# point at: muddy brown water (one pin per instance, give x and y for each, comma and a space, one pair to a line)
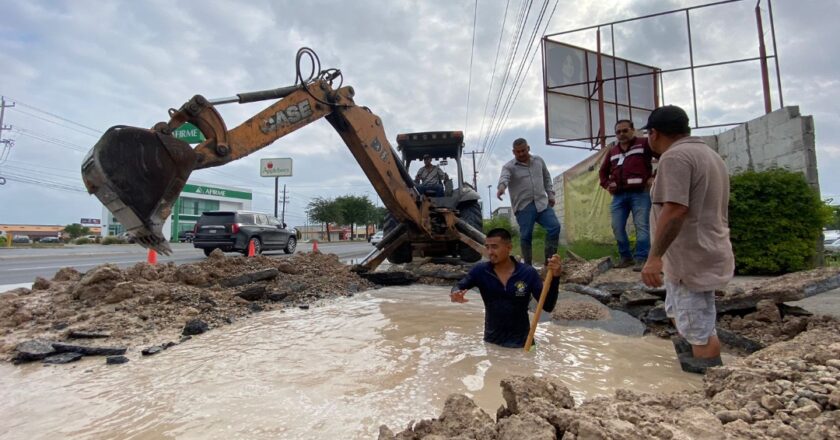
336, 371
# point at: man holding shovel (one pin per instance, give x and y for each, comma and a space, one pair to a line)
506, 287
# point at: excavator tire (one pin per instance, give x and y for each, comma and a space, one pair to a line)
403, 253
470, 212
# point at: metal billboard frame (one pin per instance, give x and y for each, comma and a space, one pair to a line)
597, 140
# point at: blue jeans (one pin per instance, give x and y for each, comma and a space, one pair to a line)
637, 202
436, 187
526, 218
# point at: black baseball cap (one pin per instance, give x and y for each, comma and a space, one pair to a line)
669, 119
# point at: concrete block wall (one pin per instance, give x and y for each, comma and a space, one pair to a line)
559, 205
781, 139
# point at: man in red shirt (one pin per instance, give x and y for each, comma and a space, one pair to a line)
625, 173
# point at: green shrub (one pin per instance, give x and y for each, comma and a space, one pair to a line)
2, 241
500, 222
775, 222
112, 239
82, 240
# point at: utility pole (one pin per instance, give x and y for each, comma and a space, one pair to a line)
283, 201
475, 170
276, 202
7, 143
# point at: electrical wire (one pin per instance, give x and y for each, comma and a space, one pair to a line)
469, 80
524, 72
493, 74
522, 18
17, 110
23, 104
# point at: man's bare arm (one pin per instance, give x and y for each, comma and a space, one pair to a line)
668, 227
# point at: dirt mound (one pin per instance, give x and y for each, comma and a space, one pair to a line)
573, 310
147, 304
788, 390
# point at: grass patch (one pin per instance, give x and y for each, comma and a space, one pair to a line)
586, 249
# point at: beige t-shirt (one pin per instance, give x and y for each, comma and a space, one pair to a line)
693, 175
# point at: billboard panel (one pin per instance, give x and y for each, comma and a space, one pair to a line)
573, 110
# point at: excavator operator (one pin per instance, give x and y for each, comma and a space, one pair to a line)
430, 177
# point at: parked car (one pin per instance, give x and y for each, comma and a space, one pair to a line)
376, 238
126, 237
186, 236
233, 231
49, 240
833, 247
830, 236
23, 239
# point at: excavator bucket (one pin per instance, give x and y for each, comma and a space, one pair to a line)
138, 174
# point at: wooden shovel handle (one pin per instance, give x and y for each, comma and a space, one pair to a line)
546, 284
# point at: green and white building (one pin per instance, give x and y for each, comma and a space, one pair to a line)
195, 198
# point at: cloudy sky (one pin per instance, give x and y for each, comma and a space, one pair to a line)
75, 68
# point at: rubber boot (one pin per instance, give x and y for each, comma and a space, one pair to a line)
680, 345
526, 253
691, 364
550, 249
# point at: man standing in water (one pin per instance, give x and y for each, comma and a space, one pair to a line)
691, 235
506, 287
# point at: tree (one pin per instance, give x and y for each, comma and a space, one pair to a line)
834, 222
377, 216
76, 230
355, 210
325, 211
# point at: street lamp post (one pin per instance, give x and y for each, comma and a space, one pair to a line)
490, 201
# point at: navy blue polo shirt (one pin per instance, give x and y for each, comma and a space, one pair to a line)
506, 320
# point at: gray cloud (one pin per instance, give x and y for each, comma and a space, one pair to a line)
102, 64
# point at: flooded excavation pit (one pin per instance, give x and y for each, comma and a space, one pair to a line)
340, 370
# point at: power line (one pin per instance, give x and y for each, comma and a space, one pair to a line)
513, 46
535, 47
513, 93
56, 123
495, 128
493, 73
469, 80
51, 140
22, 104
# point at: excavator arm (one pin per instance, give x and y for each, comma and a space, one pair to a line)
139, 173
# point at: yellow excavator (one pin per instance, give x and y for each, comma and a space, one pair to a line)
138, 173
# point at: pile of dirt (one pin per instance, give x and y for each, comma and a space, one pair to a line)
423, 271
147, 304
766, 325
578, 270
573, 310
788, 390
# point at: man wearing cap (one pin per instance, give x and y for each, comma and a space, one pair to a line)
430, 177
691, 244
626, 173
531, 197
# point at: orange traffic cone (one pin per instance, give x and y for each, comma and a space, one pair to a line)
315, 246
251, 250
152, 257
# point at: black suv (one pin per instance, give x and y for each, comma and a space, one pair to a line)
232, 231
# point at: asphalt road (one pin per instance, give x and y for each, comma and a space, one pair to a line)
22, 265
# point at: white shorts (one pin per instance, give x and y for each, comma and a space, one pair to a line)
693, 312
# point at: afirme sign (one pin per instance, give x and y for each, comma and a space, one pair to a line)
90, 221
188, 133
218, 192
280, 167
